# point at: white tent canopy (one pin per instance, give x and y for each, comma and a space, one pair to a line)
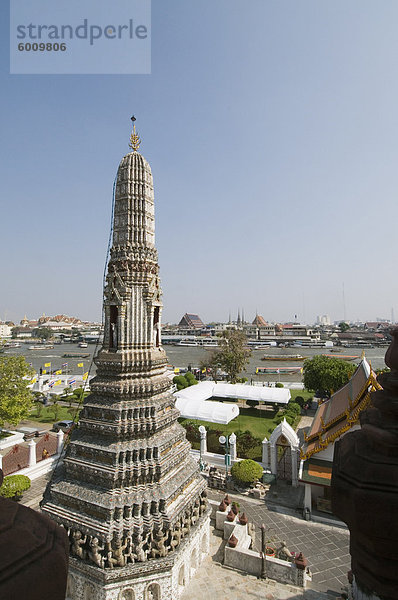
192, 402
208, 389
215, 412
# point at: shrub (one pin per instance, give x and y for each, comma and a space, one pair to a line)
252, 403
14, 485
245, 441
180, 382
290, 418
279, 384
246, 471
300, 400
190, 378
293, 408
192, 430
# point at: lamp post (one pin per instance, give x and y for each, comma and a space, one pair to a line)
202, 431
224, 441
263, 553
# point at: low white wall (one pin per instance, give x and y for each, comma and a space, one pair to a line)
41, 468
251, 562
16, 438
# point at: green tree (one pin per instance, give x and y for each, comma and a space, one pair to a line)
55, 409
16, 399
232, 356
343, 327
211, 364
326, 374
74, 412
44, 333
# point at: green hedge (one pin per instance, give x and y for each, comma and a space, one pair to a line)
14, 485
246, 471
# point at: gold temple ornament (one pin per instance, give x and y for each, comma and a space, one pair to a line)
135, 139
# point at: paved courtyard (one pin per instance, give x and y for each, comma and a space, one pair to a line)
215, 582
326, 547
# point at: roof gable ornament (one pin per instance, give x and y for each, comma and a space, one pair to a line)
135, 140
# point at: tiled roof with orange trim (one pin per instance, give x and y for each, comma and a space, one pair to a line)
338, 414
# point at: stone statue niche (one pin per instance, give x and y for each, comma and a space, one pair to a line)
365, 489
113, 322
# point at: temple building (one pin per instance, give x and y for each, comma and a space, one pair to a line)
190, 321
365, 489
333, 419
128, 493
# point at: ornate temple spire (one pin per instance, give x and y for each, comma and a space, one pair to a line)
135, 140
129, 493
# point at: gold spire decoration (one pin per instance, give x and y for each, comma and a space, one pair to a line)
135, 139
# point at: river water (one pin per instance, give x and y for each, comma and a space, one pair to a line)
184, 356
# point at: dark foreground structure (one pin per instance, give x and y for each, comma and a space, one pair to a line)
33, 554
365, 489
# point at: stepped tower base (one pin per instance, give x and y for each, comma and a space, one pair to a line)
163, 579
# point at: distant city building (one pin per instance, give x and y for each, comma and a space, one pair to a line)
25, 322
259, 329
5, 330
56, 323
297, 330
22, 332
191, 321
259, 321
59, 321
323, 320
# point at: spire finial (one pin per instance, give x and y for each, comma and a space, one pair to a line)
135, 139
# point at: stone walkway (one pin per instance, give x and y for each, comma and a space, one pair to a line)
212, 581
34, 494
326, 547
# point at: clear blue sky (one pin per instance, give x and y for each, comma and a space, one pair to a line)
271, 128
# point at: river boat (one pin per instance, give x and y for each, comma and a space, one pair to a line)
82, 345
76, 355
213, 344
41, 347
278, 370
284, 357
12, 345
343, 356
